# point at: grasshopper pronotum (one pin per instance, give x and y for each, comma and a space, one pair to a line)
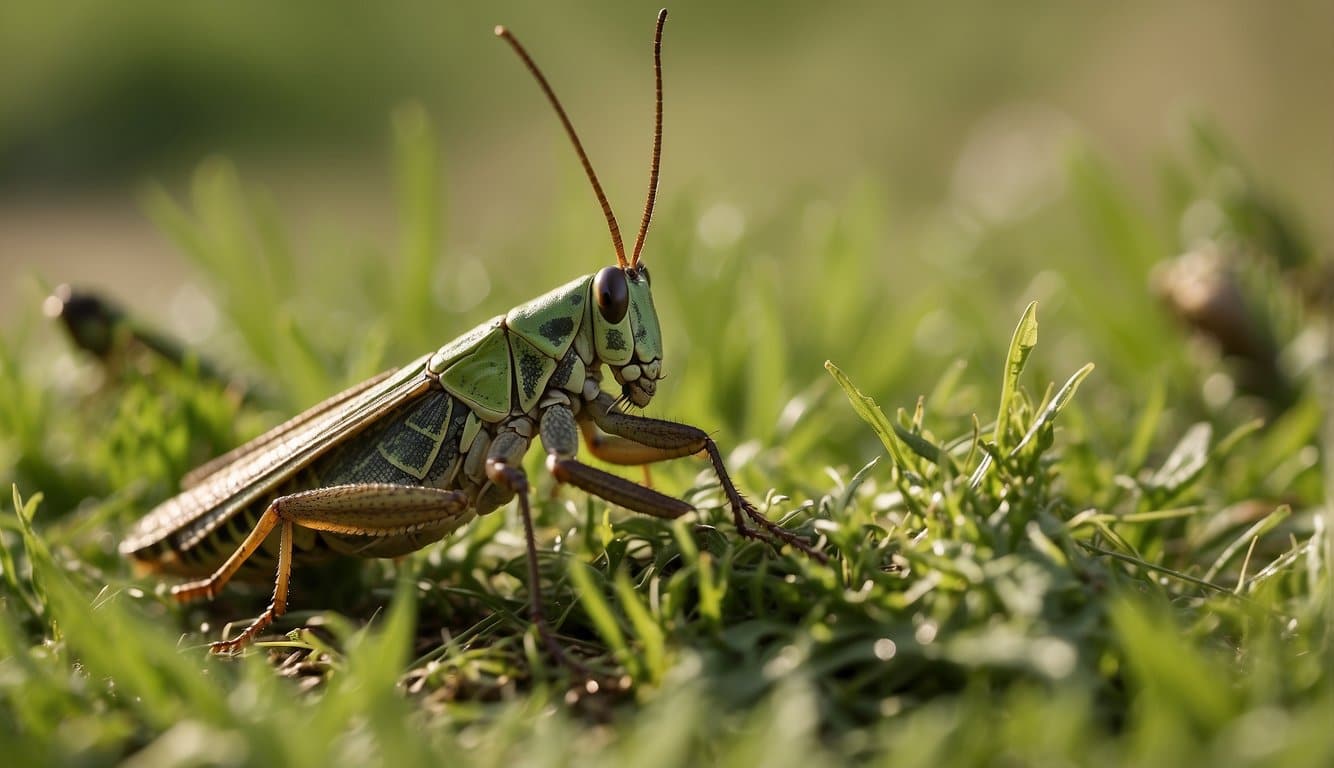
397, 462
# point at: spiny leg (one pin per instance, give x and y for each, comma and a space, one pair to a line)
208, 588
672, 440
367, 509
277, 604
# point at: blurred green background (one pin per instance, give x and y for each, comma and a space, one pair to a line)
778, 109
311, 192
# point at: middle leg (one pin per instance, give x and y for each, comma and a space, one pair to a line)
504, 467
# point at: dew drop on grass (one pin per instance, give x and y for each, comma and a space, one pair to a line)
885, 649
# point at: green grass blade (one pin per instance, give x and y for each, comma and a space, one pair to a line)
866, 408
1021, 346
587, 586
420, 202
647, 629
1055, 406
1186, 462
1261, 527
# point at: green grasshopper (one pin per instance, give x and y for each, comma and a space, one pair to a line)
399, 461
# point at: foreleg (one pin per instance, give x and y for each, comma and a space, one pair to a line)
662, 439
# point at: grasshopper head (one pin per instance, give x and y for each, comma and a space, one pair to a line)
625, 324
626, 332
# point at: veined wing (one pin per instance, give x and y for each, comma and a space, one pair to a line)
271, 459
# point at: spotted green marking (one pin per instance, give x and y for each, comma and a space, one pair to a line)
551, 321
612, 342
644, 318
569, 374
532, 370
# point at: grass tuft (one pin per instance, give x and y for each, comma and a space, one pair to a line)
1132, 568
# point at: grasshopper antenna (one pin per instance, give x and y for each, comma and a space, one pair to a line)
657, 139
505, 34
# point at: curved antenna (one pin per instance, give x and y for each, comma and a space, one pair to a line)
657, 140
574, 138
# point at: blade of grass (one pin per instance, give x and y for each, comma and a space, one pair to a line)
1055, 405
417, 174
1021, 346
865, 407
586, 585
1260, 528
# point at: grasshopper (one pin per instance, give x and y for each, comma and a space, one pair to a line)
397, 462
100, 328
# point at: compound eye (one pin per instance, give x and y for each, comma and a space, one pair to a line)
611, 293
